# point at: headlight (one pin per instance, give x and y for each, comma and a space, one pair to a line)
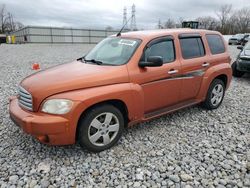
57, 106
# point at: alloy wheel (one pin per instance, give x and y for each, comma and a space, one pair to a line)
103, 129
217, 94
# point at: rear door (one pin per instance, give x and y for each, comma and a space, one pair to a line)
193, 65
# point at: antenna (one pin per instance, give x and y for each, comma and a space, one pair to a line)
119, 33
133, 21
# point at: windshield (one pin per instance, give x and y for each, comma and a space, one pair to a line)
113, 51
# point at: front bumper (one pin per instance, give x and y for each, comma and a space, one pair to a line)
48, 129
243, 65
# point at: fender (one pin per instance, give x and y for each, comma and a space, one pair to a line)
211, 74
130, 94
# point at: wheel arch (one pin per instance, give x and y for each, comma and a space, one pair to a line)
222, 72
118, 103
222, 77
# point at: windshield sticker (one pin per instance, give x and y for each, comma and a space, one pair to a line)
127, 42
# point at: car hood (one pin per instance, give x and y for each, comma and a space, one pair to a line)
72, 76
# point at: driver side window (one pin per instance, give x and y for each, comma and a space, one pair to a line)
164, 48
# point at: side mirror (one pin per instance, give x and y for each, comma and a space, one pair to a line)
240, 47
152, 61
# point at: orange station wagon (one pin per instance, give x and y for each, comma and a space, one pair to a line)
123, 80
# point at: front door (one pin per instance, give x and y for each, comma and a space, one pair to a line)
161, 85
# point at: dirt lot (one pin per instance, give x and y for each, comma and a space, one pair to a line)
190, 148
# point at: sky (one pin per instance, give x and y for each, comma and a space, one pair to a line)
103, 13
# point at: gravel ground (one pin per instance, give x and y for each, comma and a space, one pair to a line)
190, 148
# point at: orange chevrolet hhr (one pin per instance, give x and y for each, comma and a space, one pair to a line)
125, 79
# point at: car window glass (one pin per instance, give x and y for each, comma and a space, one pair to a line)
192, 47
110, 51
215, 44
165, 49
247, 46
113, 50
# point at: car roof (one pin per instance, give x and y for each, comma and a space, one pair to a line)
149, 34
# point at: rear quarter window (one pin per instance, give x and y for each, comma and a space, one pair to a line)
215, 44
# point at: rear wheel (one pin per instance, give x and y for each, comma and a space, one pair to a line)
215, 95
236, 73
100, 128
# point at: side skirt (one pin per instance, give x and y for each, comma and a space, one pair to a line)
170, 109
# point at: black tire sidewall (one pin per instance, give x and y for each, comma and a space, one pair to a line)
208, 103
87, 118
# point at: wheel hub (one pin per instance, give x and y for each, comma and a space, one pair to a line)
103, 129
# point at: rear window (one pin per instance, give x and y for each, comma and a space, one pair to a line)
192, 47
215, 44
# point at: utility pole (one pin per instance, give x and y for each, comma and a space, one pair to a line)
159, 24
124, 17
133, 20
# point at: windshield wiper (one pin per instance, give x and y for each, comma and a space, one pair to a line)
93, 61
80, 58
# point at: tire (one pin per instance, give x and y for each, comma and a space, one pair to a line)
215, 95
236, 73
94, 133
229, 43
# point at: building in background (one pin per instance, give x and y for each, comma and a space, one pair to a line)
35, 34
2, 38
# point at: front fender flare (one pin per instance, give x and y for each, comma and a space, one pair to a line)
130, 94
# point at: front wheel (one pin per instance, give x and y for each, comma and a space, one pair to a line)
100, 128
215, 95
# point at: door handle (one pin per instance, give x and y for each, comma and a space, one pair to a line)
205, 64
172, 71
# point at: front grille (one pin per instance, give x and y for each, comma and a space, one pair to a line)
25, 99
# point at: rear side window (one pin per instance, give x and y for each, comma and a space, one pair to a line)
215, 43
164, 48
192, 47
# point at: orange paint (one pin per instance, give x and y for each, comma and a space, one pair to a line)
146, 92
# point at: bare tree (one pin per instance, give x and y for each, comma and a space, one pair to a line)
207, 22
159, 25
169, 23
7, 23
242, 20
178, 23
18, 25
3, 18
224, 15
